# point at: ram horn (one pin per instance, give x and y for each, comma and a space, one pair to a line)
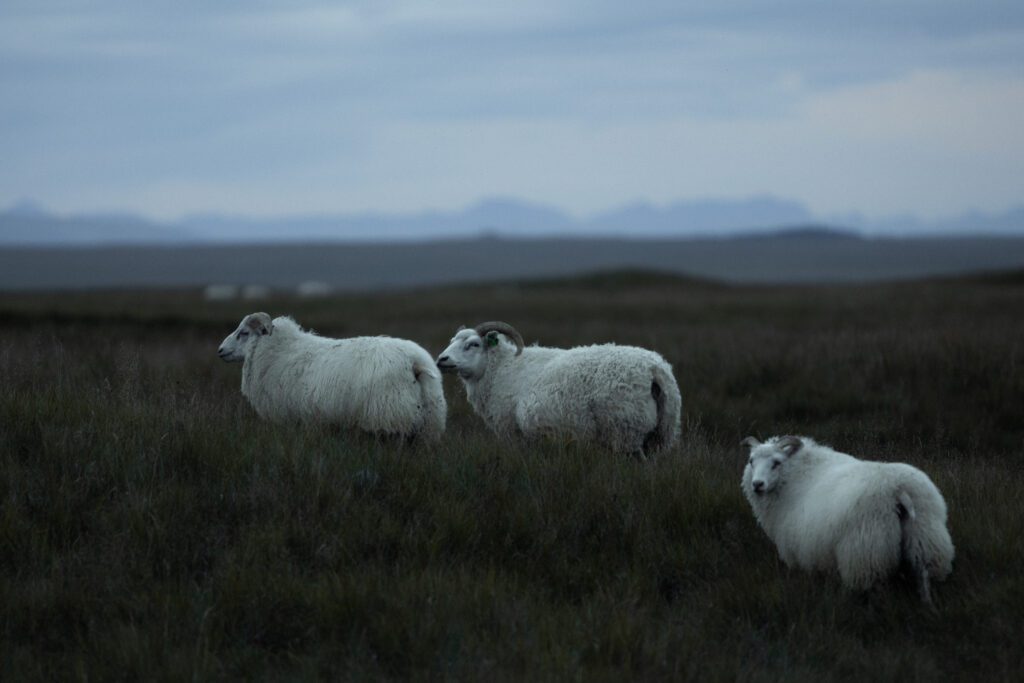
496, 326
789, 444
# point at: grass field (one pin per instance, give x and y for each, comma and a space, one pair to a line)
152, 528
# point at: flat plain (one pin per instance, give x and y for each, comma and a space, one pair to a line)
151, 527
805, 256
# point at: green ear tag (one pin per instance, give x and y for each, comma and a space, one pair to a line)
492, 340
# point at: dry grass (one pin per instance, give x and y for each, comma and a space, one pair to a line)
151, 527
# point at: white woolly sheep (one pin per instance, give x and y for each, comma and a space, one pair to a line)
622, 397
376, 384
826, 510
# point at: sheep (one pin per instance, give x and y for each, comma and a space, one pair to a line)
827, 510
622, 397
375, 384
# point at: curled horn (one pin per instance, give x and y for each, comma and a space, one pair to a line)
789, 444
506, 329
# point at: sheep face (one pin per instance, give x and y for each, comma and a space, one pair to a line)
768, 462
237, 344
467, 354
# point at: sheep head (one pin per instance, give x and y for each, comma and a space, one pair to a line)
237, 344
767, 462
467, 352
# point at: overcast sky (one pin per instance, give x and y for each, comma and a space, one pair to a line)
261, 108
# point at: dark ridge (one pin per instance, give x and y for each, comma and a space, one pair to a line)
789, 258
620, 278
813, 232
1010, 277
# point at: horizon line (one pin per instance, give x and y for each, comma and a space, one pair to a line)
849, 220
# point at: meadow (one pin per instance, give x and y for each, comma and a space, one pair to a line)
151, 527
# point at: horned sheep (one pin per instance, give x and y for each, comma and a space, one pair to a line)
375, 384
622, 397
827, 510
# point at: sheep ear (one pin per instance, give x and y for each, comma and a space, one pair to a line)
750, 442
789, 445
491, 339
260, 323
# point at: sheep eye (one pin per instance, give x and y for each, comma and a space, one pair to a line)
472, 345
243, 333
776, 464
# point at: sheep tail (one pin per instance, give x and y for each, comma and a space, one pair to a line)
911, 547
666, 429
432, 404
419, 369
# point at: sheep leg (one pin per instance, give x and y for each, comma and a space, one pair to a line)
923, 587
910, 548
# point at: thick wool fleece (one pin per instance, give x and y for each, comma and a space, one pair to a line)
602, 394
831, 511
376, 384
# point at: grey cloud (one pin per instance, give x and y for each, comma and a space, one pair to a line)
126, 92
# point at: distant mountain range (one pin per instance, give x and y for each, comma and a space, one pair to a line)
27, 224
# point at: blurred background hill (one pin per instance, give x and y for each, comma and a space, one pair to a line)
758, 240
